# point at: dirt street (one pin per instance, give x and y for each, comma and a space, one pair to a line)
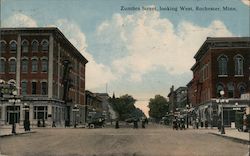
155, 140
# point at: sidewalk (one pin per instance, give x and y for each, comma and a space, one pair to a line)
6, 131
230, 133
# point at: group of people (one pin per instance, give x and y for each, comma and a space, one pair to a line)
144, 121
178, 123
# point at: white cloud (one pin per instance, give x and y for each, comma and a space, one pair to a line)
246, 2
96, 74
19, 20
151, 41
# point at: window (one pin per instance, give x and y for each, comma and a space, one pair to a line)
12, 65
218, 89
2, 65
25, 46
13, 46
33, 88
44, 88
222, 61
242, 88
45, 45
24, 87
25, 65
35, 46
230, 87
44, 65
238, 59
40, 112
2, 46
34, 65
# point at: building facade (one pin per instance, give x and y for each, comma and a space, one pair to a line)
32, 59
221, 64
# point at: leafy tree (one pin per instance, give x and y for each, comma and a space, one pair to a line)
123, 106
158, 107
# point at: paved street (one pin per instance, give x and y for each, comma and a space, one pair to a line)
156, 140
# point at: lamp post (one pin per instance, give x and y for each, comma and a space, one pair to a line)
187, 107
221, 101
14, 101
75, 109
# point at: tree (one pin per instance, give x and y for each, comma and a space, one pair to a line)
158, 107
123, 106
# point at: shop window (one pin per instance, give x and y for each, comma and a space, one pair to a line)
40, 112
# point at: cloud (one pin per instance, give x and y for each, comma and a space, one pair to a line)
19, 20
246, 2
152, 42
96, 74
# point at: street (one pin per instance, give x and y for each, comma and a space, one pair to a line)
155, 140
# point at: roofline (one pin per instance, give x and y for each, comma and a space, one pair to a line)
55, 29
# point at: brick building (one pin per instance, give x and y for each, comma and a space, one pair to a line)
221, 64
32, 60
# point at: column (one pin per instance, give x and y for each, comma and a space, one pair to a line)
58, 70
50, 112
18, 64
3, 109
22, 114
31, 114
50, 75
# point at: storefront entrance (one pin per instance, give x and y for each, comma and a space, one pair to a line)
13, 115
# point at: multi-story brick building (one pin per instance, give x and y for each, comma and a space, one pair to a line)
32, 59
221, 64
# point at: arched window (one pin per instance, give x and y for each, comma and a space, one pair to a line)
222, 62
230, 88
238, 60
2, 65
25, 46
12, 65
34, 64
44, 65
13, 46
242, 88
3, 46
45, 45
25, 64
35, 45
219, 88
24, 87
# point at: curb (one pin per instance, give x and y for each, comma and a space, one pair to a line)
6, 135
242, 141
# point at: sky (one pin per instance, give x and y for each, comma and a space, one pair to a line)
137, 52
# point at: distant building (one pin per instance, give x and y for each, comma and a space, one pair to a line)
221, 64
32, 59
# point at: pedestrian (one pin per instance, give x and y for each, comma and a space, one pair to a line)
38, 123
43, 123
25, 125
53, 124
197, 123
28, 125
143, 123
116, 124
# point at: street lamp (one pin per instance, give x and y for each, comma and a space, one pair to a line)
187, 107
221, 101
14, 101
75, 109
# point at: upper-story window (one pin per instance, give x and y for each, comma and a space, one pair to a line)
2, 65
44, 64
219, 88
13, 46
230, 90
44, 88
33, 87
45, 45
12, 65
34, 46
34, 64
2, 46
242, 88
222, 62
238, 60
24, 87
25, 64
25, 46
